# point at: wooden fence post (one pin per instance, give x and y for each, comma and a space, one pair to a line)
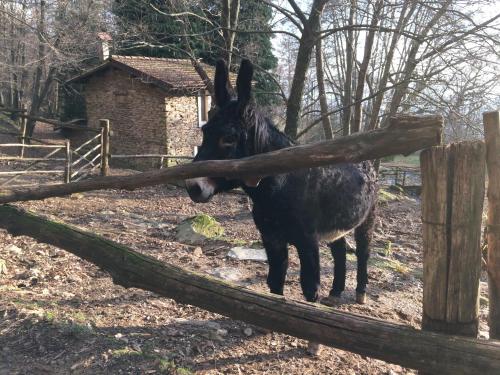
104, 147
23, 122
491, 122
67, 169
453, 179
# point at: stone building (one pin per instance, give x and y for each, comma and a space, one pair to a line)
155, 105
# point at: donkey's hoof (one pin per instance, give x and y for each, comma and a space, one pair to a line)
330, 300
361, 298
313, 349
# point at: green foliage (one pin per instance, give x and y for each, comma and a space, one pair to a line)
166, 366
163, 34
255, 15
390, 264
125, 352
388, 249
49, 316
385, 196
206, 225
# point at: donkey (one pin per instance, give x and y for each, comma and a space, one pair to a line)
299, 208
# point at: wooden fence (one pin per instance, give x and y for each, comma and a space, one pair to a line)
56, 154
400, 174
78, 163
88, 158
451, 217
107, 156
75, 164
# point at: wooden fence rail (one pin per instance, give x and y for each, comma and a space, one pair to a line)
19, 173
30, 169
405, 135
17, 158
30, 146
436, 353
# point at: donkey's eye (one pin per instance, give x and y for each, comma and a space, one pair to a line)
228, 140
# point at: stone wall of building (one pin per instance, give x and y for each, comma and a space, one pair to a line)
143, 119
136, 111
183, 132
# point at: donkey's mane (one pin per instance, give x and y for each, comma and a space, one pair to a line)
267, 137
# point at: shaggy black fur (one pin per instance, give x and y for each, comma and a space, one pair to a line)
298, 208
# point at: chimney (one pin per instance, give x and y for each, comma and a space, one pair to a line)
104, 45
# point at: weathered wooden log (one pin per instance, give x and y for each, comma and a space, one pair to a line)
376, 338
491, 122
405, 135
453, 179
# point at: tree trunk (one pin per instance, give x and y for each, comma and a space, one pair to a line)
347, 97
325, 119
229, 21
306, 44
402, 21
35, 97
356, 124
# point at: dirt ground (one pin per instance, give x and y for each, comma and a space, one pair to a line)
61, 315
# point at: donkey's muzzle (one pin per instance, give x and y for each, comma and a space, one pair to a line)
200, 190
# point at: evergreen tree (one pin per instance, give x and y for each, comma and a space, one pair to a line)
146, 32
140, 23
256, 15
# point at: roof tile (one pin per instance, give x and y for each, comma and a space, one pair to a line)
178, 73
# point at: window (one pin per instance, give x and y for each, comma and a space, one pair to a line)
204, 103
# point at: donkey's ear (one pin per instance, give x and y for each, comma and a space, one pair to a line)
244, 83
222, 95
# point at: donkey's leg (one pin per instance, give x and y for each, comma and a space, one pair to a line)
363, 236
309, 268
310, 278
277, 258
339, 250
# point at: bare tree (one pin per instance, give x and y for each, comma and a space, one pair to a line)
308, 27
49, 40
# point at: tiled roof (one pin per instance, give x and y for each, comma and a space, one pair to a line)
176, 74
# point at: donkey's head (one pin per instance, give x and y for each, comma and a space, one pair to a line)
226, 134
